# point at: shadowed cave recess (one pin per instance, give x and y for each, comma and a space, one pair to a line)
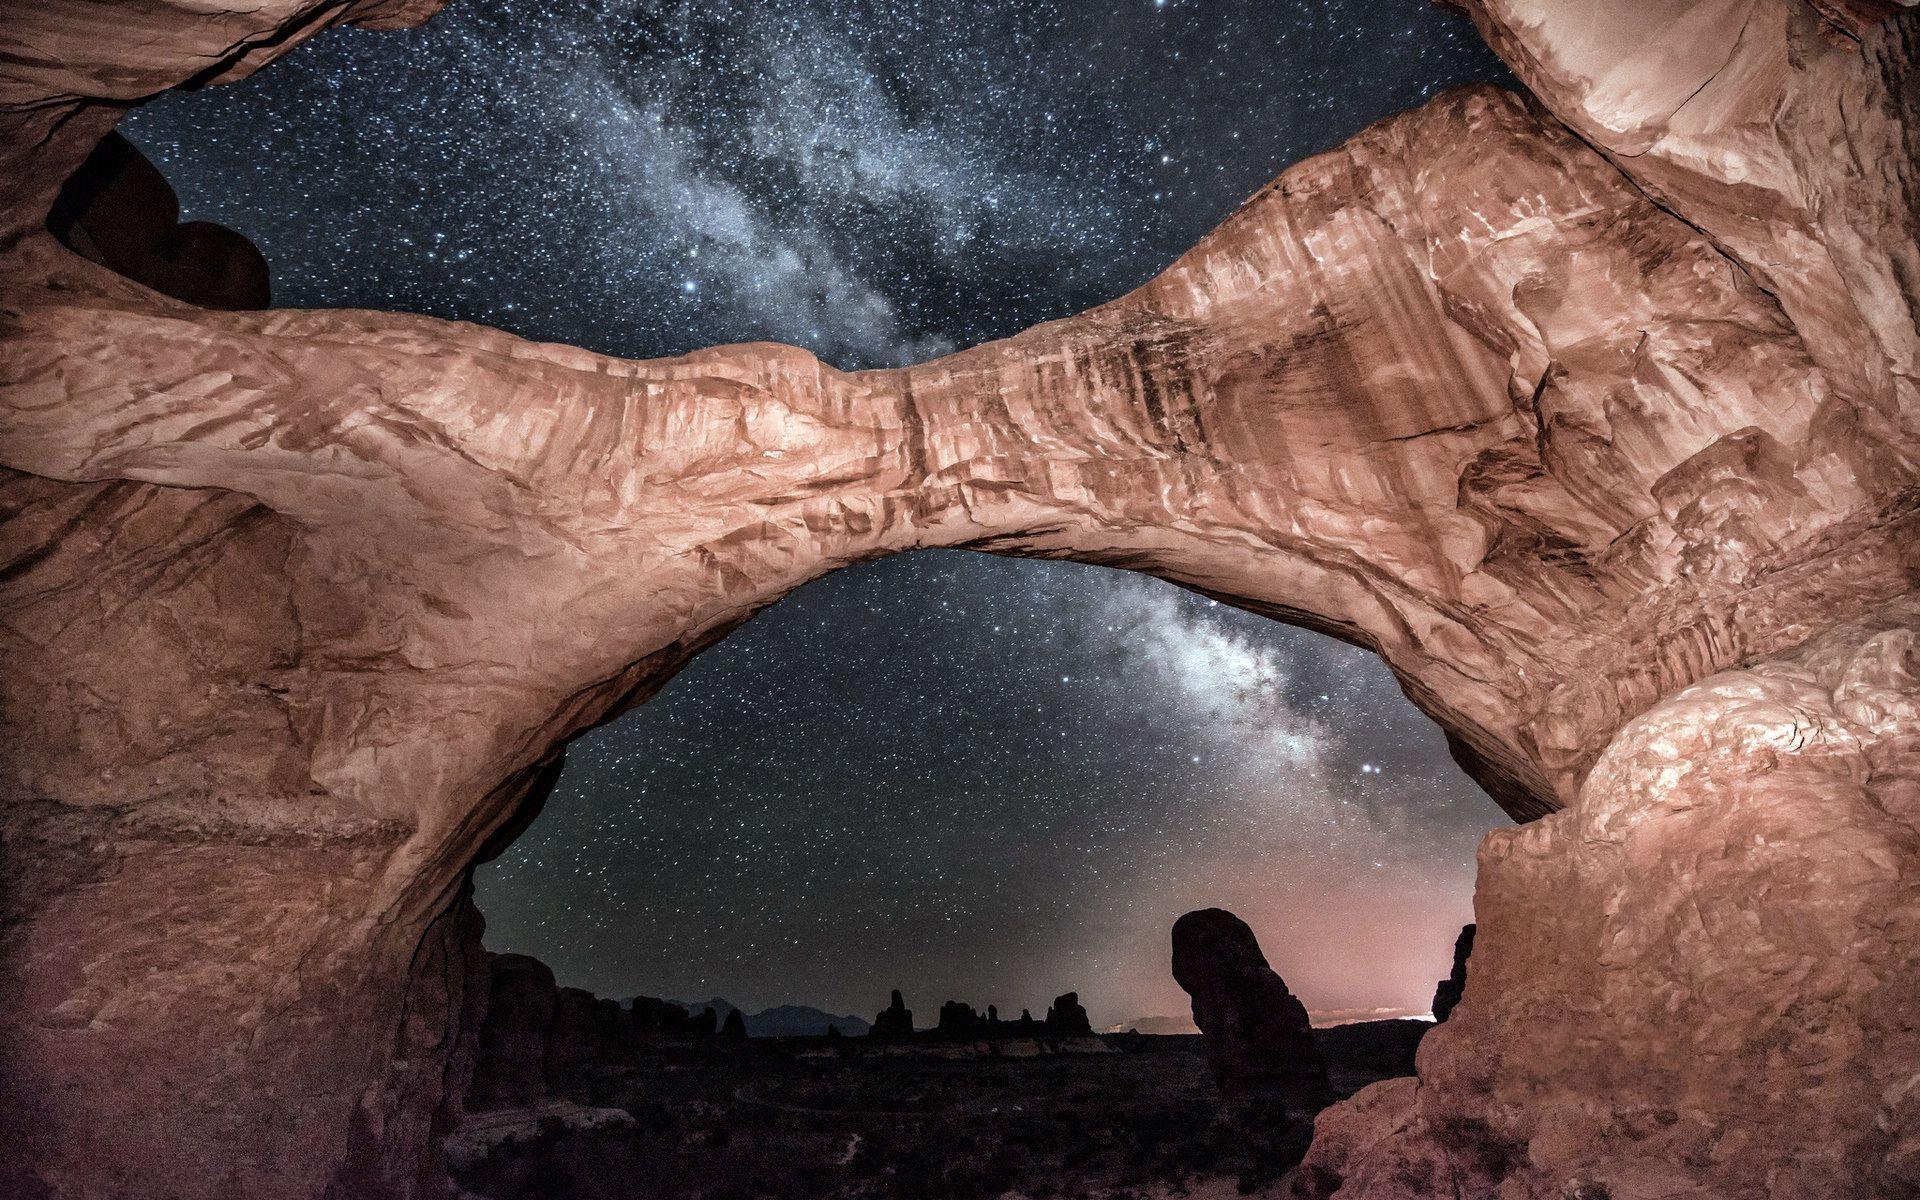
1591, 412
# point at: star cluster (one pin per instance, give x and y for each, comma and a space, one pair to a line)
964, 776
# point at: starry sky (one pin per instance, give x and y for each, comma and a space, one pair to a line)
964, 776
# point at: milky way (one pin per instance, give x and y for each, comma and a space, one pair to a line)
959, 775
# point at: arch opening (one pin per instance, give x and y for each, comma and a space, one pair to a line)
909, 756
984, 783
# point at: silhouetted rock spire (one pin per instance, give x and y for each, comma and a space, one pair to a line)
896, 1020
1453, 986
957, 1017
1259, 1041
1066, 1017
655, 1017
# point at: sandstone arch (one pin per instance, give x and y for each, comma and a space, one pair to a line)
1598, 423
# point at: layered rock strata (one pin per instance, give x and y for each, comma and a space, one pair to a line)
1563, 408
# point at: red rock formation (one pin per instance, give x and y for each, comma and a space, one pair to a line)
1260, 1044
1786, 133
1447, 994
511, 1066
1697, 981
1561, 419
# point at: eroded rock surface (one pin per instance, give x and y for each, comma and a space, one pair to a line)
297, 607
1718, 1002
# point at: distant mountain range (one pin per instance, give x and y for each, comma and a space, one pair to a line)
785, 1020
1322, 1019
1154, 1025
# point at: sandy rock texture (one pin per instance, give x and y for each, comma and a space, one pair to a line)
1562, 410
1719, 1001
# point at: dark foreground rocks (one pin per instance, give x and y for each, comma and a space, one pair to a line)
895, 1020
1260, 1043
1448, 992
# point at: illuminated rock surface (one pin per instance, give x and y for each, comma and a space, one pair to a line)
297, 607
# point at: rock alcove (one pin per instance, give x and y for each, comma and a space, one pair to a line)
1593, 413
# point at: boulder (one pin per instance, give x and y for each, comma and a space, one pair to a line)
119, 211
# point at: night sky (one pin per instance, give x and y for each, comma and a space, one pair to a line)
964, 776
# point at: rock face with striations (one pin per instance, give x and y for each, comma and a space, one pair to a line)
1259, 1039
1448, 992
1595, 416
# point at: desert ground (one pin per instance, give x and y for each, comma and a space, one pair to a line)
708, 1119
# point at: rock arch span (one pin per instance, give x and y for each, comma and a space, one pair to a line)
1595, 415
